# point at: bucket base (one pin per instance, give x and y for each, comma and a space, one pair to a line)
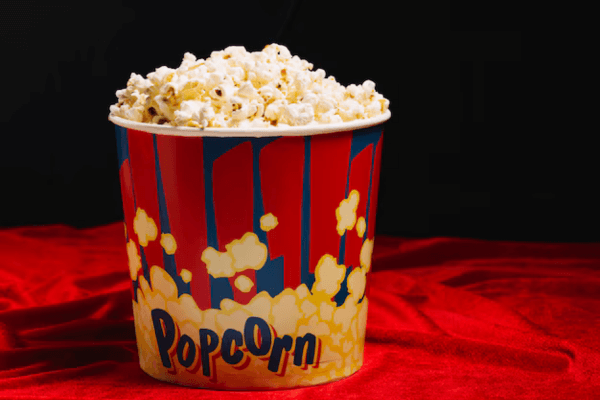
243, 382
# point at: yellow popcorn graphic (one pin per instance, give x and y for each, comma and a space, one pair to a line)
328, 275
356, 283
135, 261
240, 255
168, 243
218, 264
243, 283
366, 253
144, 227
346, 212
326, 311
361, 226
268, 222
298, 336
186, 275
247, 252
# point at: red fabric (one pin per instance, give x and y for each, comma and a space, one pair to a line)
448, 319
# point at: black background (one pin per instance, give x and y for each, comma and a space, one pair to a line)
462, 154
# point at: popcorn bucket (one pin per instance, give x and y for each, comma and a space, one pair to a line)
249, 250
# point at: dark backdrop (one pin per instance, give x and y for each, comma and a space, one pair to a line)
461, 156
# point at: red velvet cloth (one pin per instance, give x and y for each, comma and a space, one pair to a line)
448, 319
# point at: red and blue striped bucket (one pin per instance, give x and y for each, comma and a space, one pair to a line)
197, 201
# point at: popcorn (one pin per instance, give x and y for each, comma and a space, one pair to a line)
286, 313
326, 311
268, 222
346, 212
235, 88
248, 252
244, 283
327, 339
361, 226
135, 261
356, 283
218, 264
144, 227
241, 254
308, 308
186, 275
168, 243
366, 251
328, 275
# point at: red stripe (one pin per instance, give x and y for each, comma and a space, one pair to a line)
232, 194
281, 170
360, 174
182, 173
127, 196
328, 173
141, 156
374, 190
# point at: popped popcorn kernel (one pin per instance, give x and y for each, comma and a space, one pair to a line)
163, 283
308, 308
361, 226
347, 346
168, 243
135, 261
302, 291
366, 252
336, 338
268, 222
356, 283
144, 227
326, 311
241, 254
228, 304
186, 275
260, 305
218, 264
328, 275
247, 252
346, 212
244, 283
235, 320
235, 88
286, 313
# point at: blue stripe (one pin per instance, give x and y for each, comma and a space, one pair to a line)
340, 297
379, 133
123, 154
135, 288
360, 140
168, 259
306, 277
214, 148
145, 267
376, 133
270, 276
358, 144
122, 144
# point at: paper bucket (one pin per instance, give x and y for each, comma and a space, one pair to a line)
249, 251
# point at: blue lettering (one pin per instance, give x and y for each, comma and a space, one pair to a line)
164, 337
209, 341
229, 337
310, 341
186, 361
265, 336
279, 344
